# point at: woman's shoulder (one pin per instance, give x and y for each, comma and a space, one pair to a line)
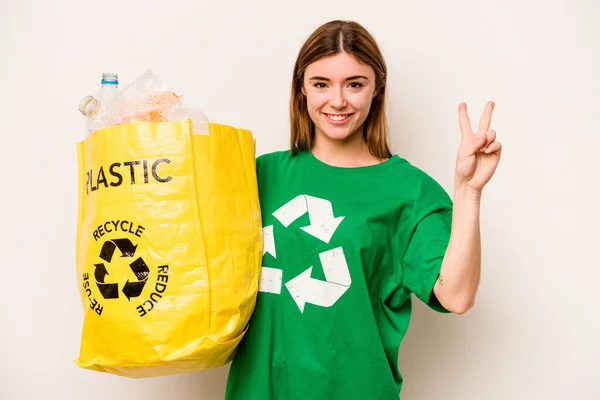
281, 160
274, 157
416, 180
407, 170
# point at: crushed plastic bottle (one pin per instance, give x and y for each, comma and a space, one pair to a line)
90, 106
146, 99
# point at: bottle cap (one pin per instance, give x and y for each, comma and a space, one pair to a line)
88, 106
109, 78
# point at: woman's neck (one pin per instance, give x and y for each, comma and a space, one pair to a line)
349, 153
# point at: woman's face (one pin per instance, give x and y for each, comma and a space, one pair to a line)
338, 91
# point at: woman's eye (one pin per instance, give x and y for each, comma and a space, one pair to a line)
352, 85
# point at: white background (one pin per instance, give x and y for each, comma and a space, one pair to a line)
534, 332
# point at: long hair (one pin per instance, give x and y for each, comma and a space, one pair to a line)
330, 39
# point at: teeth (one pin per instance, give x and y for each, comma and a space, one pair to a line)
338, 117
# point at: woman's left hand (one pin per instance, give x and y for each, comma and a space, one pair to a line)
478, 153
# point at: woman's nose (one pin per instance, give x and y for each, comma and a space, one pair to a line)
338, 100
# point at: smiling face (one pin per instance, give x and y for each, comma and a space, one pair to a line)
338, 91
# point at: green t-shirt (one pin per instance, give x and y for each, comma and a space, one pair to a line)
344, 249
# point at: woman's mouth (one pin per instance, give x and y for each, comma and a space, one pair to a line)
338, 119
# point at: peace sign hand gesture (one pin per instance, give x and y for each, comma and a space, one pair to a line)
478, 153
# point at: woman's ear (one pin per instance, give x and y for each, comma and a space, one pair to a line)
375, 93
302, 89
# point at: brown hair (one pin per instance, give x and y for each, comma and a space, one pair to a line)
330, 39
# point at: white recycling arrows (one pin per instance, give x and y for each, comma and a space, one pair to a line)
268, 241
323, 225
322, 221
305, 289
335, 266
270, 280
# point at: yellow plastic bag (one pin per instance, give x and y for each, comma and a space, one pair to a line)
168, 247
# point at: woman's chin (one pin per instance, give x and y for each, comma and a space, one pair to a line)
339, 135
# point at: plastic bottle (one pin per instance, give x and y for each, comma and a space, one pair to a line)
91, 107
199, 119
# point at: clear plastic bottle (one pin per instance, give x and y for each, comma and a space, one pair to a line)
91, 106
199, 119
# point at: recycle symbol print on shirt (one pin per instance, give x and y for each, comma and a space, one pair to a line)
303, 288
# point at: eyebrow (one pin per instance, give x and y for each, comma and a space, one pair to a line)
320, 78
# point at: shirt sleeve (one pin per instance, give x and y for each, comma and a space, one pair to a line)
427, 243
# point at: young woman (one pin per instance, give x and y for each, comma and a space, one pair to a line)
351, 232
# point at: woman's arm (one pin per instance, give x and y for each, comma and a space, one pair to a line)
457, 284
477, 160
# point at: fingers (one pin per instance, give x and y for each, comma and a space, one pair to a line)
495, 147
485, 139
479, 144
463, 120
490, 137
486, 118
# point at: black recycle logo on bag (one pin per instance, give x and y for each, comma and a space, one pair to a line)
132, 288
120, 273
